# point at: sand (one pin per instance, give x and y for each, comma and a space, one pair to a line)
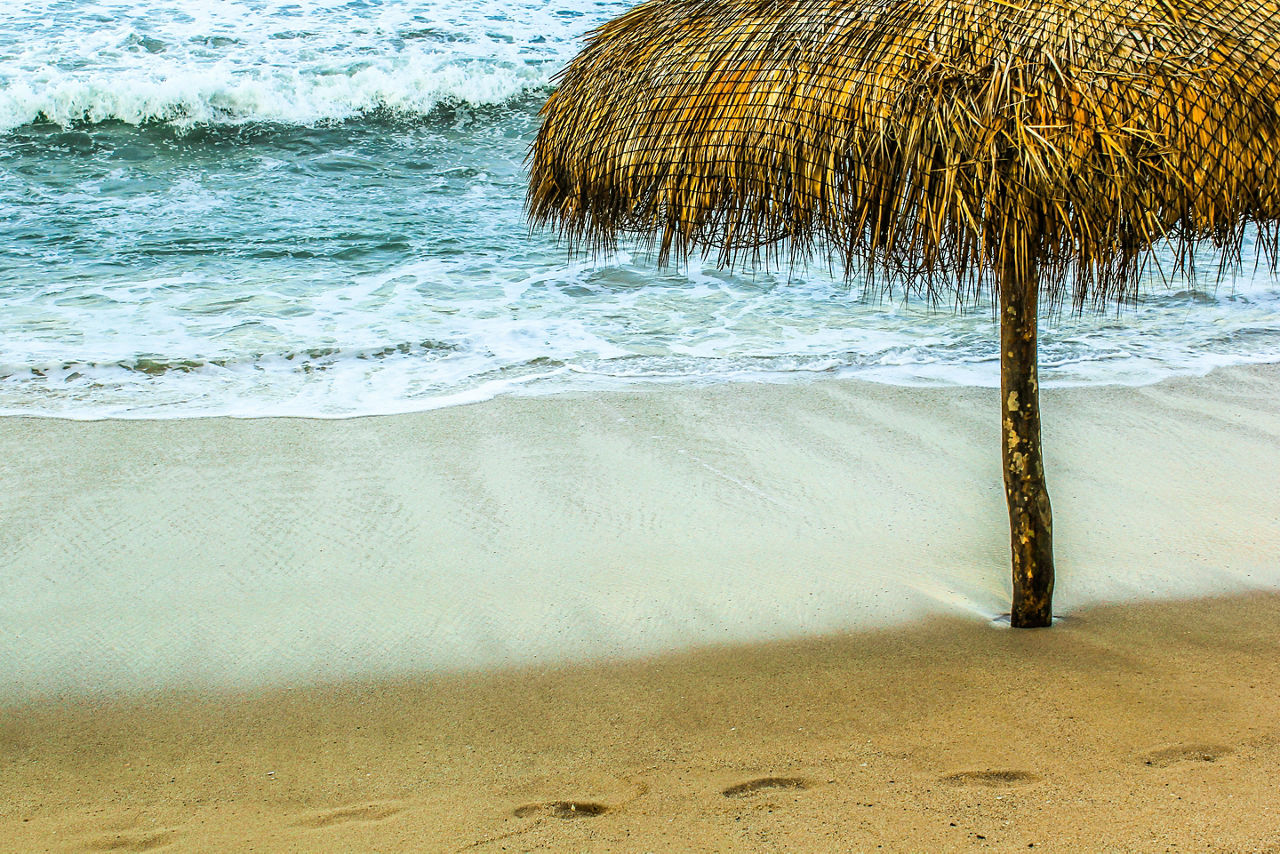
1135, 728
733, 618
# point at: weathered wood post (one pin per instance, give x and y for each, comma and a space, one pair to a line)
1030, 518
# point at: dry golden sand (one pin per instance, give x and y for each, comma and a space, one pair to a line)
1138, 728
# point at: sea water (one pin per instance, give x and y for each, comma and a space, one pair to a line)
314, 208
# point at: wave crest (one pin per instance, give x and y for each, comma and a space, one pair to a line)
278, 96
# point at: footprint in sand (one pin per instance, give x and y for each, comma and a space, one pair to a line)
994, 779
133, 841
761, 784
1166, 756
342, 815
562, 809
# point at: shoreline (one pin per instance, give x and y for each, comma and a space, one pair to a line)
1125, 728
228, 552
928, 378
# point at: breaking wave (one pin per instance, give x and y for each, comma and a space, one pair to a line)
413, 89
193, 62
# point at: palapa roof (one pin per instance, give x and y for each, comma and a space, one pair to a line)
917, 137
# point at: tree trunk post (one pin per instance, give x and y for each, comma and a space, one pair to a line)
1030, 518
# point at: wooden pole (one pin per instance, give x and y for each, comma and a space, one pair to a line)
1030, 518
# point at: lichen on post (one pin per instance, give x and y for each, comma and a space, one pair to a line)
1030, 516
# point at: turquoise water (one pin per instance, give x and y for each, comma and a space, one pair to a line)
315, 208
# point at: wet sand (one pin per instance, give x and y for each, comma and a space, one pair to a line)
732, 618
230, 553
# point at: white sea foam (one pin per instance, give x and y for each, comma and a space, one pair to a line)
197, 61
430, 333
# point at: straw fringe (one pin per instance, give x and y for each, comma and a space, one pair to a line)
920, 139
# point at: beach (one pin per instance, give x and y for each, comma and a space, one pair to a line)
347, 509
725, 617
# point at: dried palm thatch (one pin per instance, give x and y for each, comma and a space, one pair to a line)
916, 138
1037, 147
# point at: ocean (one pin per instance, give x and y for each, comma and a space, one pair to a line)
314, 208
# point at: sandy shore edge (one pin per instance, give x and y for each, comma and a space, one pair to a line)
223, 553
630, 622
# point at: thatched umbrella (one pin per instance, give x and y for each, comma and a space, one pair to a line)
1029, 147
